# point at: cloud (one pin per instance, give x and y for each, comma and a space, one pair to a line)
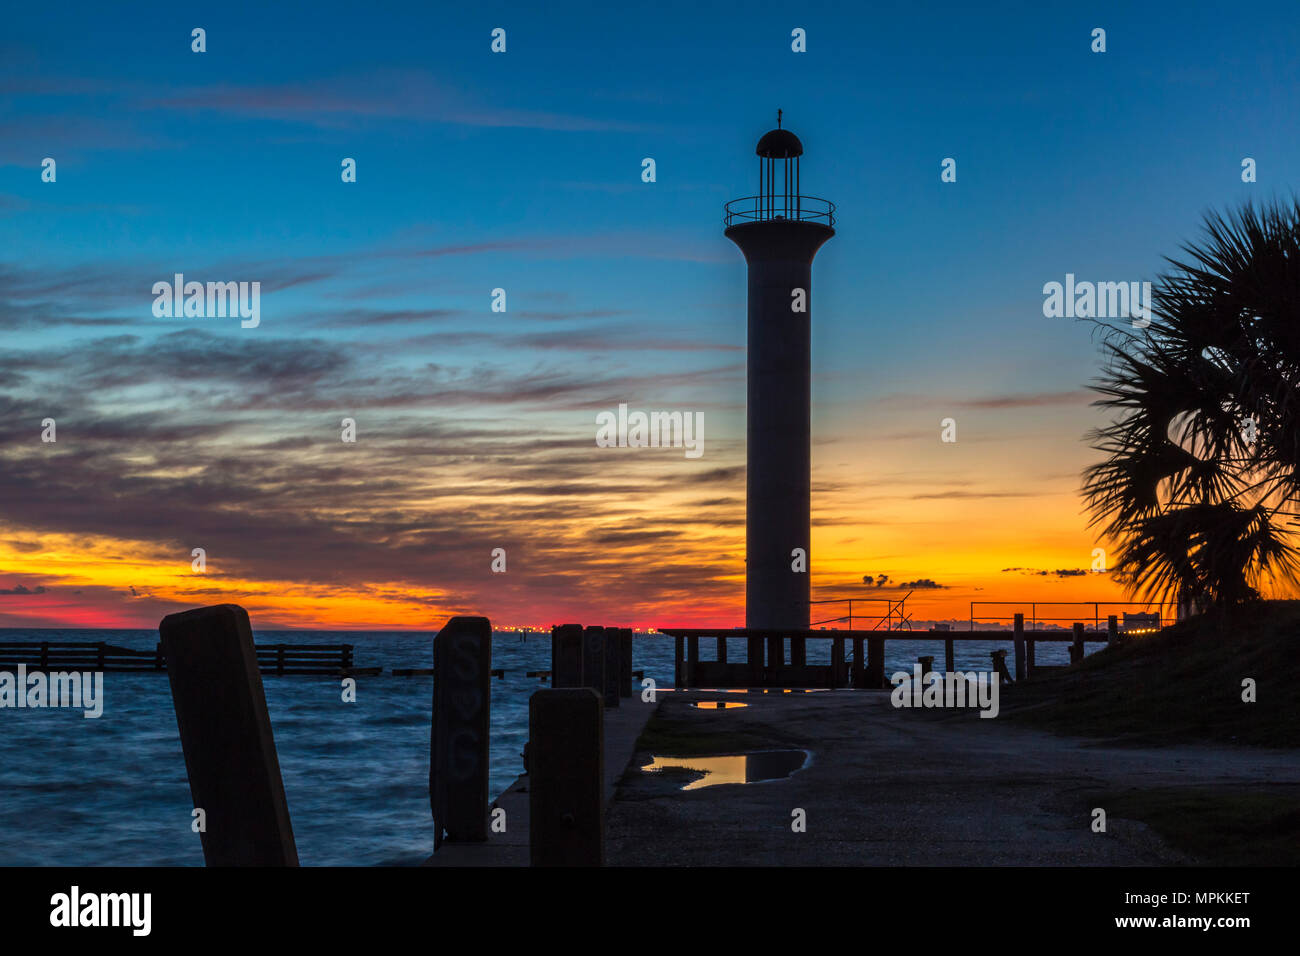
20, 590
1059, 572
1027, 400
1080, 397
195, 438
404, 96
974, 495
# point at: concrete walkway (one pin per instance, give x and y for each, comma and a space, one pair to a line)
623, 725
895, 787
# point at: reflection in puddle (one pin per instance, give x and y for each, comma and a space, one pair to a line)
734, 768
775, 690
718, 704
746, 690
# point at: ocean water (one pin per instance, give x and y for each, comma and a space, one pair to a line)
113, 790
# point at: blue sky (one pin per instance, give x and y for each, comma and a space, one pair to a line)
522, 170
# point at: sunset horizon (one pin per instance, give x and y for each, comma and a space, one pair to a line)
497, 273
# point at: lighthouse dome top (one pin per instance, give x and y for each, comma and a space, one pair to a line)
779, 144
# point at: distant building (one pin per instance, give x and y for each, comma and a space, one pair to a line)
1137, 623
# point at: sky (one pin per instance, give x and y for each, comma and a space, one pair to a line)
522, 171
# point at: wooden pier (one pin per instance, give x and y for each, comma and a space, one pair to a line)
767, 663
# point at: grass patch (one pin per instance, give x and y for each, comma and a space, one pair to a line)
1217, 826
1183, 684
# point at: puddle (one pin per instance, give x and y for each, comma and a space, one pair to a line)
718, 704
734, 768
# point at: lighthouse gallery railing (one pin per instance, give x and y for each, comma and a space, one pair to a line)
760, 209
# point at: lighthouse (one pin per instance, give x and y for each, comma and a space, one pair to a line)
779, 231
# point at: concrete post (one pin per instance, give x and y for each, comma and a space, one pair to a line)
458, 739
225, 732
613, 665
1076, 650
566, 655
1112, 630
593, 659
625, 662
566, 778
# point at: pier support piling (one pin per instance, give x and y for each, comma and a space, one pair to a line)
1018, 641
775, 653
875, 662
754, 660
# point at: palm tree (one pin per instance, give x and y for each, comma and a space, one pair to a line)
1203, 457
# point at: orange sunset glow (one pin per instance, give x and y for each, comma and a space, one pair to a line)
994, 516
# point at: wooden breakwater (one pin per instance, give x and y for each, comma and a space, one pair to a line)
282, 659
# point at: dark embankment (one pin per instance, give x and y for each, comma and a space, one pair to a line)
1181, 685
1218, 826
